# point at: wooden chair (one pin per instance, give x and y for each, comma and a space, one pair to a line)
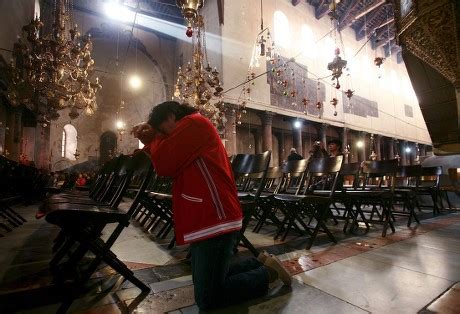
454, 187
377, 191
292, 176
322, 174
428, 184
405, 192
250, 173
82, 225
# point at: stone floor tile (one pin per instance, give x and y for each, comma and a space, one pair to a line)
167, 301
420, 258
171, 284
375, 286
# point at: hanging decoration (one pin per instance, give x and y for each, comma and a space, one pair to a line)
378, 61
336, 66
50, 72
198, 83
189, 9
319, 104
334, 103
264, 46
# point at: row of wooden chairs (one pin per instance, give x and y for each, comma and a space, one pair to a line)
83, 215
18, 183
300, 196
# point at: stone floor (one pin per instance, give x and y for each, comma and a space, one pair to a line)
401, 273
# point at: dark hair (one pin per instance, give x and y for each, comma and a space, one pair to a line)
161, 112
336, 142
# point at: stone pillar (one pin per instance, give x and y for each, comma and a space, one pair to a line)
42, 147
377, 144
391, 148
230, 132
266, 118
422, 148
322, 134
297, 139
257, 141
404, 155
345, 143
362, 152
13, 132
281, 150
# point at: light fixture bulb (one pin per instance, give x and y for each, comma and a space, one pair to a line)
297, 124
120, 124
360, 144
408, 150
135, 81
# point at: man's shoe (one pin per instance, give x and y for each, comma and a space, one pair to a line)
275, 264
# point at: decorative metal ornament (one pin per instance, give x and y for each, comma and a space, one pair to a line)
51, 72
336, 66
198, 83
334, 102
189, 9
378, 61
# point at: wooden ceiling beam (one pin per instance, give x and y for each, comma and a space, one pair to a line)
370, 8
368, 21
348, 15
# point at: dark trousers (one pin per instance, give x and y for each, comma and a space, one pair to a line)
219, 284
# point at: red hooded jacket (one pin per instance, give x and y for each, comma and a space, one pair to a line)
205, 200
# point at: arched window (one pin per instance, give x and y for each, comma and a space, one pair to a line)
69, 142
282, 34
308, 42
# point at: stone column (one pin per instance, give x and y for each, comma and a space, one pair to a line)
391, 148
42, 147
345, 143
14, 134
362, 152
322, 134
281, 150
266, 118
404, 155
230, 131
257, 141
377, 143
422, 148
297, 139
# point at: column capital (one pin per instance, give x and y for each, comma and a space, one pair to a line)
266, 117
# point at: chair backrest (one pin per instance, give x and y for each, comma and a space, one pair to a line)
273, 178
322, 174
408, 176
293, 174
382, 170
350, 172
430, 176
250, 171
454, 176
141, 171
105, 177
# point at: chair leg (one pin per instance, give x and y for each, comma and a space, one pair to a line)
15, 214
248, 245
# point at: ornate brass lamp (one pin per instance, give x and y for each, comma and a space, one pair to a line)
189, 10
198, 83
52, 72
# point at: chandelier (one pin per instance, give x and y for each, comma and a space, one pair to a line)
189, 9
198, 83
51, 72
